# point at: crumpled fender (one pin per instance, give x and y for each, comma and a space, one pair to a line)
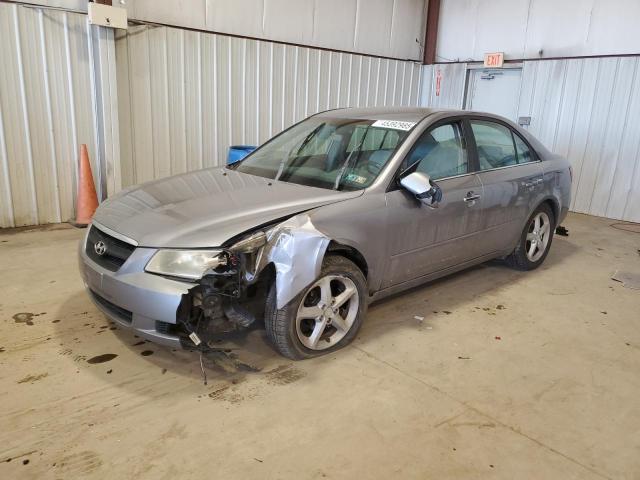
296, 249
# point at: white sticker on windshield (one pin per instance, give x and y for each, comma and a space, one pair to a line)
394, 124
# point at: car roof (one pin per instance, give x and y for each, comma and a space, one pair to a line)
407, 114
417, 114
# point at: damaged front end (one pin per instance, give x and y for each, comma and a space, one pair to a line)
222, 303
231, 296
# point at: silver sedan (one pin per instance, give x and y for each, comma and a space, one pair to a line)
341, 209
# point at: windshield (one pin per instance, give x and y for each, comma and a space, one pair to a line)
333, 153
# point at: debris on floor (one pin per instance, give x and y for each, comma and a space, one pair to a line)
33, 378
628, 279
202, 370
562, 231
418, 317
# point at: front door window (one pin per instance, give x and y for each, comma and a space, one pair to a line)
439, 153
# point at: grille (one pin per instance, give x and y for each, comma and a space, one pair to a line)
116, 252
171, 329
162, 327
115, 310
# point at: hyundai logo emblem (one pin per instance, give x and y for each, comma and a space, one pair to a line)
100, 247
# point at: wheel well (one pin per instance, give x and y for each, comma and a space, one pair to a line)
351, 253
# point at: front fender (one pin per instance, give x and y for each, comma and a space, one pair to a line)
296, 249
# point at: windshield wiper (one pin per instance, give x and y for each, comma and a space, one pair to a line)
283, 162
347, 160
306, 140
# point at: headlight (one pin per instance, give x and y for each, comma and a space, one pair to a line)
191, 264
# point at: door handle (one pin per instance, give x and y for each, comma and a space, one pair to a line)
471, 197
532, 183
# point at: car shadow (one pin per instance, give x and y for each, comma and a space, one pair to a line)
445, 295
116, 354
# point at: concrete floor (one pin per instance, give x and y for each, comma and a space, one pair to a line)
510, 375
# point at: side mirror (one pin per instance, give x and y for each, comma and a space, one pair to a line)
428, 192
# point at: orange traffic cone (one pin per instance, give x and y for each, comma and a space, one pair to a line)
87, 201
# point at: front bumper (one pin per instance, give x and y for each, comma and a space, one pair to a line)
134, 299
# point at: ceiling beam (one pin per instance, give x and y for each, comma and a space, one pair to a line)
431, 32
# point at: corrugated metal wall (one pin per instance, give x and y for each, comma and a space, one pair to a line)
534, 29
589, 111
185, 96
443, 85
585, 109
47, 106
388, 28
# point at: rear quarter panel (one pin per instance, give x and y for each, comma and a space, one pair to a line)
557, 183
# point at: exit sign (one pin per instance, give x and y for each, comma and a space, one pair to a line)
495, 60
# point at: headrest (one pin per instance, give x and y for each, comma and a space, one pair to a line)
377, 160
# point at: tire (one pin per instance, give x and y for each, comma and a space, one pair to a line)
521, 258
295, 337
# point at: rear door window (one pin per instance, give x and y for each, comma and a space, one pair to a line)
495, 145
523, 151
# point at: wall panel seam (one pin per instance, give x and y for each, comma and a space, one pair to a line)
25, 117
47, 94
624, 134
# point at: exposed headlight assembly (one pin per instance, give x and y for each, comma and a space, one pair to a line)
250, 244
190, 264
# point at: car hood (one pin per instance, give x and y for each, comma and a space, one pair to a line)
207, 207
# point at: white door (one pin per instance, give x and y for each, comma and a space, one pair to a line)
494, 91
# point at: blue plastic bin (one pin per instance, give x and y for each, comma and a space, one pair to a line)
238, 152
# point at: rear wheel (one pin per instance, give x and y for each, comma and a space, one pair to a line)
535, 240
324, 317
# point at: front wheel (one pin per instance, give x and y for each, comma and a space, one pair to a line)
324, 317
535, 240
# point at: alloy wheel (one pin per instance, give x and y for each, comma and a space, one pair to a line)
327, 312
538, 235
